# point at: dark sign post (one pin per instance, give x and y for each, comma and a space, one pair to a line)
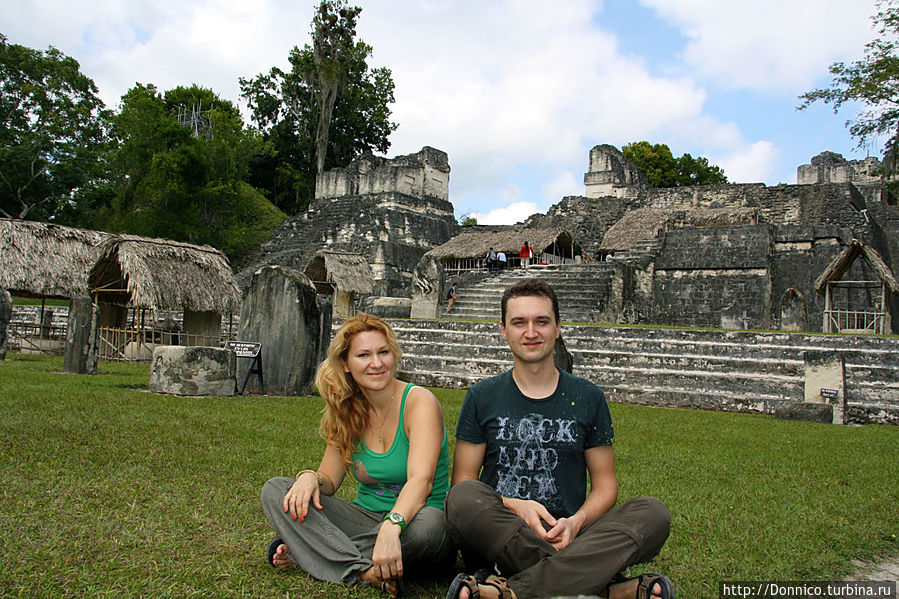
830, 393
248, 349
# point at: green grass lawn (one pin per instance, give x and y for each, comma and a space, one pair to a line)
108, 490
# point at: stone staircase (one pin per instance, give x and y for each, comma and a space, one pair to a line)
719, 370
582, 290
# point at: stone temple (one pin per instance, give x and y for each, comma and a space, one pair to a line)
729, 256
390, 211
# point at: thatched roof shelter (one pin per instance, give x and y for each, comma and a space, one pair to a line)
648, 223
164, 275
348, 272
838, 267
476, 241
46, 260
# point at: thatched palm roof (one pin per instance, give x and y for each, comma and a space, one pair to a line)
475, 242
648, 223
164, 275
46, 260
348, 272
838, 267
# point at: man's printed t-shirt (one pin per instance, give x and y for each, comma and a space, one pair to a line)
535, 447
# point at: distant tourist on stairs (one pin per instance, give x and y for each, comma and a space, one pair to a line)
526, 253
451, 297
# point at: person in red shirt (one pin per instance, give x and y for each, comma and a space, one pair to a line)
526, 253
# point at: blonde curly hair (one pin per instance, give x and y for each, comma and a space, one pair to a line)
346, 411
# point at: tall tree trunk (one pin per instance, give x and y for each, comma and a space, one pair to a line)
328, 97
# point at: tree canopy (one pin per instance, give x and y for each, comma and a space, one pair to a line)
329, 108
873, 82
179, 171
662, 169
52, 130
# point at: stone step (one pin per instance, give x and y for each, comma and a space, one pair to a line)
725, 370
788, 387
784, 387
874, 362
602, 358
720, 400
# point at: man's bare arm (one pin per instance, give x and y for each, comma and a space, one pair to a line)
468, 460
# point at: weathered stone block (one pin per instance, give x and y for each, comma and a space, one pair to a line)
281, 312
82, 337
5, 316
805, 412
426, 288
561, 356
390, 307
825, 381
192, 370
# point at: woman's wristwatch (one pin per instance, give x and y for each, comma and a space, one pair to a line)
396, 518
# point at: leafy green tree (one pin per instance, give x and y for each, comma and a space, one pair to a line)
329, 108
662, 169
698, 171
52, 131
873, 82
180, 170
467, 220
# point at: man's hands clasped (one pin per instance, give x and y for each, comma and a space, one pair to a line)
560, 533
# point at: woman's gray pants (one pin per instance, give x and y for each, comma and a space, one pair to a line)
336, 542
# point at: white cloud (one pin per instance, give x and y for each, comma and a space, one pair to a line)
565, 184
516, 91
769, 44
750, 164
507, 215
508, 86
166, 42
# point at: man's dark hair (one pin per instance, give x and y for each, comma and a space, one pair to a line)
530, 288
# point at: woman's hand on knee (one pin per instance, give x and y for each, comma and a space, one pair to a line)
296, 501
387, 557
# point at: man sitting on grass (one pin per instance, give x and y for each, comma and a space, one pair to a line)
526, 439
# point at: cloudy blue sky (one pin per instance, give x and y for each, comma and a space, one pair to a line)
515, 91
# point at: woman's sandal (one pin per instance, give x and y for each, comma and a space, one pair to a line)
400, 588
645, 584
467, 581
271, 550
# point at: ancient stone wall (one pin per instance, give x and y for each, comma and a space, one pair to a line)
713, 276
802, 253
378, 218
611, 174
587, 218
423, 174
830, 167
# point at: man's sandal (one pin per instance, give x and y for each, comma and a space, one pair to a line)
645, 584
467, 581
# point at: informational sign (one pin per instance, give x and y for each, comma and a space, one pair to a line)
244, 349
830, 393
248, 349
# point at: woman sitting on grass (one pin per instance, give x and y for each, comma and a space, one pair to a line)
390, 436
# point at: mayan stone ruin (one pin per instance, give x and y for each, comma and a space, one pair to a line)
729, 256
389, 211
